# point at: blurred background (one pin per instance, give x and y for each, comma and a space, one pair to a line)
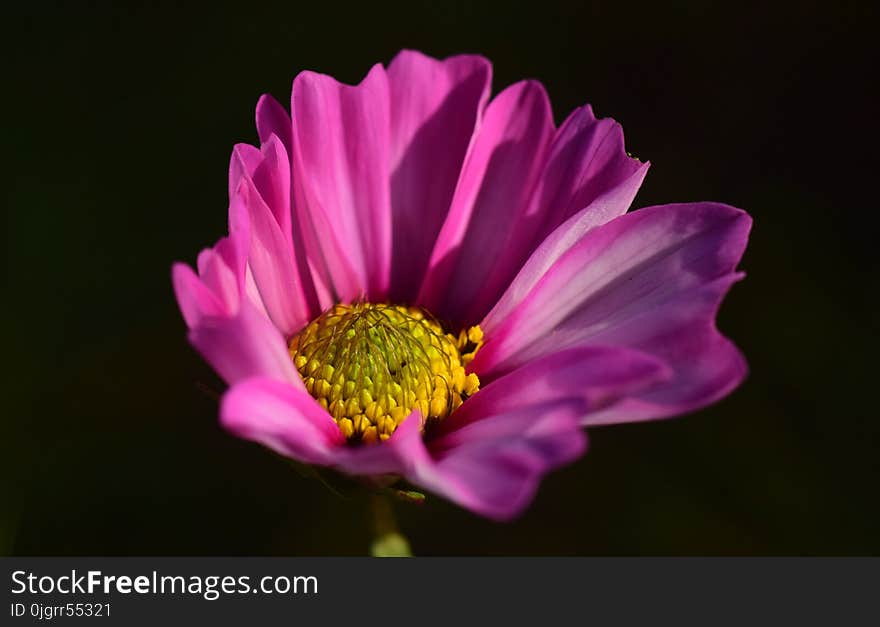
119, 125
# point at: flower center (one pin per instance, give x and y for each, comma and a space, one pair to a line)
370, 365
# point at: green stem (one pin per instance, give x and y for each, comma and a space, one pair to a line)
387, 539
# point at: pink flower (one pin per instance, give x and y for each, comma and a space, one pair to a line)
504, 246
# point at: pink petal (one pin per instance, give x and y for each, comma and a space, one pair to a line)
599, 376
282, 418
195, 299
289, 421
242, 163
283, 289
233, 335
342, 191
268, 170
435, 107
272, 119
216, 271
216, 290
244, 345
499, 175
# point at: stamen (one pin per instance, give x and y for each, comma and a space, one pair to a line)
371, 365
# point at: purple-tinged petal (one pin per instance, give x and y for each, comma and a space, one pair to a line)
706, 366
599, 376
588, 173
621, 269
499, 175
342, 183
587, 160
282, 418
272, 119
435, 107
611, 204
493, 466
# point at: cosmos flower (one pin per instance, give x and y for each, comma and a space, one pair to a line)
420, 283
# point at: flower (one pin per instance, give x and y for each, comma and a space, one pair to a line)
422, 283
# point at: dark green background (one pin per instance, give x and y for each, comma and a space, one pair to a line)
118, 126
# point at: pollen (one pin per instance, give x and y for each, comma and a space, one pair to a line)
371, 365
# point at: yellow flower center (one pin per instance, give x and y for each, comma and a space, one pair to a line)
371, 365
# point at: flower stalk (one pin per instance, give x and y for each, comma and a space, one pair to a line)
388, 541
